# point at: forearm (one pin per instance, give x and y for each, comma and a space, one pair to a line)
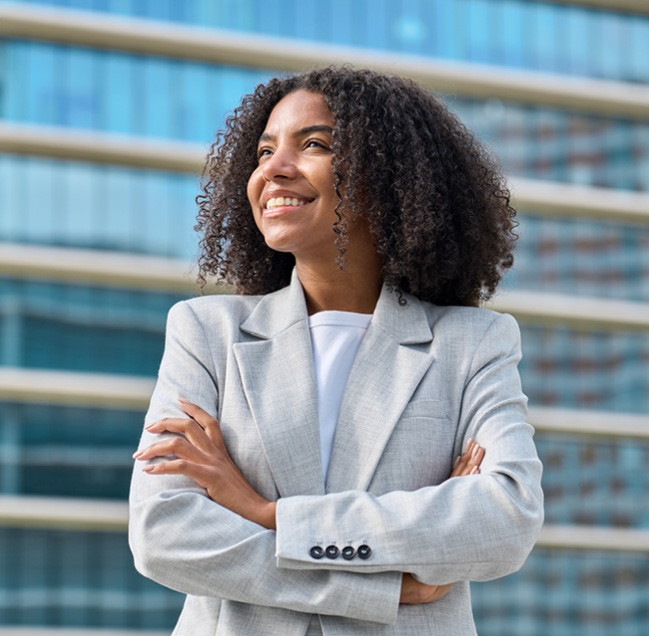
473, 528
186, 542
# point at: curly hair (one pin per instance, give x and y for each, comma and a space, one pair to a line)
435, 202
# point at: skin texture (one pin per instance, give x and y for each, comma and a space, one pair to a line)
294, 156
294, 160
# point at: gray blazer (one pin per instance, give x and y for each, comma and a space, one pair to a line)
425, 379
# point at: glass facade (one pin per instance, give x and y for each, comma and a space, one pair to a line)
567, 593
526, 34
83, 578
76, 579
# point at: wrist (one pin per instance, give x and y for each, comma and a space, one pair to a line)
266, 515
271, 516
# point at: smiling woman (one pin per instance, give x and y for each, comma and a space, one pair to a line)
344, 451
294, 201
435, 203
291, 192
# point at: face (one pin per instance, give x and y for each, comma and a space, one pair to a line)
291, 191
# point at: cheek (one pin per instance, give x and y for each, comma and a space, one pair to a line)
254, 189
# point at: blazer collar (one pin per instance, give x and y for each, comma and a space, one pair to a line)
406, 323
278, 378
383, 378
276, 312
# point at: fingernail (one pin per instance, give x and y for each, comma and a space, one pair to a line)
475, 471
184, 401
137, 454
150, 425
475, 451
147, 469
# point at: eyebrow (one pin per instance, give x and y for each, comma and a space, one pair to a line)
307, 130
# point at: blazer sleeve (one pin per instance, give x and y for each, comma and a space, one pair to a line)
185, 541
477, 527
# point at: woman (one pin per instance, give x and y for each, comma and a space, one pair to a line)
301, 437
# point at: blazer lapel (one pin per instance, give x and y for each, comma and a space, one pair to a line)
278, 380
384, 376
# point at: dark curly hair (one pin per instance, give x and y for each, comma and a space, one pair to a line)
435, 202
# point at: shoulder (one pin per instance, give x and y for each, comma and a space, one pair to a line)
469, 320
215, 311
470, 328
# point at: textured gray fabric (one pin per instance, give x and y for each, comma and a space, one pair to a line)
425, 379
314, 627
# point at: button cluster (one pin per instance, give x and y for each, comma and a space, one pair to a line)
348, 552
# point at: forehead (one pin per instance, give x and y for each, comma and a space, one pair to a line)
298, 110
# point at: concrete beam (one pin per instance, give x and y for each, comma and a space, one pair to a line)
641, 7
150, 37
96, 390
543, 197
589, 423
97, 267
134, 392
576, 312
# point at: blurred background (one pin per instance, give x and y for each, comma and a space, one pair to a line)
107, 109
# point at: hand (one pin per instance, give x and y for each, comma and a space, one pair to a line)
202, 456
468, 463
414, 592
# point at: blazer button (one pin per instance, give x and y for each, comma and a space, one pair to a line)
348, 552
364, 551
332, 552
316, 552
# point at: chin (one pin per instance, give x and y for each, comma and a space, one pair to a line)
279, 246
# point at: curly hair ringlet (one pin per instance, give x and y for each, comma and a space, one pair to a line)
436, 203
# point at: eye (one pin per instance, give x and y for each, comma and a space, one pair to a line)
263, 152
316, 143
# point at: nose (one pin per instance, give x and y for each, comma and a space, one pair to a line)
280, 165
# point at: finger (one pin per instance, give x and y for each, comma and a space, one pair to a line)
470, 459
443, 590
473, 458
459, 467
177, 446
477, 455
209, 424
469, 446
468, 450
192, 431
197, 472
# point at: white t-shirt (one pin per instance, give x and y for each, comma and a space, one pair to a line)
335, 337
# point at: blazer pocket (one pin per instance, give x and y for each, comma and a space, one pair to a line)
436, 409
420, 449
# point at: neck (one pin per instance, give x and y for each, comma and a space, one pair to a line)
356, 288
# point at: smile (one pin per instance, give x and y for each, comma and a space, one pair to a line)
277, 202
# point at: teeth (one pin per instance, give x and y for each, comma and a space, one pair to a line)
279, 201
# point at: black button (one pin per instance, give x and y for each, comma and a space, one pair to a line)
316, 552
348, 552
332, 552
364, 551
